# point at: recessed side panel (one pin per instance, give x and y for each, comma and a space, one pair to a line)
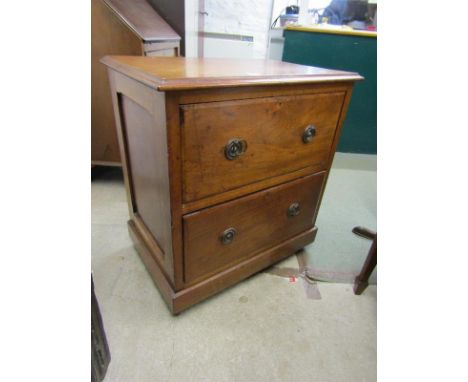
145, 137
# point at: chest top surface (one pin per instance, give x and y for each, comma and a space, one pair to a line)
181, 73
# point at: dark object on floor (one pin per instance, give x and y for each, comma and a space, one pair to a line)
100, 355
362, 280
106, 173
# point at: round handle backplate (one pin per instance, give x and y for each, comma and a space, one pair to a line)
235, 148
309, 133
294, 210
228, 236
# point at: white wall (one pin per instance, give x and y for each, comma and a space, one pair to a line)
191, 28
241, 17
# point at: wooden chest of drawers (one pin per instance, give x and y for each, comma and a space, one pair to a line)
225, 163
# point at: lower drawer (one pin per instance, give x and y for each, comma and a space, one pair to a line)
221, 236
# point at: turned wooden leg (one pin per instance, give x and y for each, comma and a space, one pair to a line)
362, 280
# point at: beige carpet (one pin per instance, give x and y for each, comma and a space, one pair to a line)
263, 329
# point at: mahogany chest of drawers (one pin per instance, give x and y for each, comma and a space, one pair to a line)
225, 163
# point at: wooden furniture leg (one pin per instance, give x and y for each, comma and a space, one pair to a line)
362, 280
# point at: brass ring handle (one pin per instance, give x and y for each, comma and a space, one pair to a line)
309, 133
235, 148
294, 210
228, 236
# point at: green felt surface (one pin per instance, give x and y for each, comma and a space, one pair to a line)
342, 52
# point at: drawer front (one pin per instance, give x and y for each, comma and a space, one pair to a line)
220, 236
230, 144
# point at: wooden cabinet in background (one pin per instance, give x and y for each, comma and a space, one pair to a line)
225, 163
127, 27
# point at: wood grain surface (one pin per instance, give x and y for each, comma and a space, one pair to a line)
272, 129
192, 294
140, 16
113, 24
146, 140
184, 193
179, 73
261, 220
109, 35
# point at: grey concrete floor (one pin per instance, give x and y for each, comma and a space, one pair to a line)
263, 329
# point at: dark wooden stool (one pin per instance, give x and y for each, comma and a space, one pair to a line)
362, 280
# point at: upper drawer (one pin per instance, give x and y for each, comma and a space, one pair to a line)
230, 144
